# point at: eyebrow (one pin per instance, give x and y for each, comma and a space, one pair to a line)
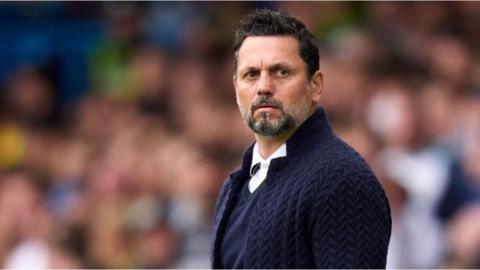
277, 65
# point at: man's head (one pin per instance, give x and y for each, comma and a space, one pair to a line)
266, 22
276, 77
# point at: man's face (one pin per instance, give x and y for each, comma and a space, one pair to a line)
273, 90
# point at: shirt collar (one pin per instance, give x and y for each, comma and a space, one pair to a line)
257, 158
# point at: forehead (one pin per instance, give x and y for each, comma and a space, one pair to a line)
265, 50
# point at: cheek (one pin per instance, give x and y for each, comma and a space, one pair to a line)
245, 93
295, 94
242, 99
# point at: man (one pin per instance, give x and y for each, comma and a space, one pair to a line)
302, 198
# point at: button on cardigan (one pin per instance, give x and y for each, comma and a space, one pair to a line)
321, 206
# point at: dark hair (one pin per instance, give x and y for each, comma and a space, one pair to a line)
266, 22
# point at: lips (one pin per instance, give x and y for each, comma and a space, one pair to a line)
265, 108
266, 104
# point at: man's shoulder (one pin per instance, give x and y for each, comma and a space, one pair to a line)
335, 152
344, 171
336, 162
345, 155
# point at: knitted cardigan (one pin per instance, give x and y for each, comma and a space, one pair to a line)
321, 206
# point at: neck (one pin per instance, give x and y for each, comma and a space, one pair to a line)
268, 145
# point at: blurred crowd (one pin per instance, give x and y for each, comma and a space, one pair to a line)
124, 173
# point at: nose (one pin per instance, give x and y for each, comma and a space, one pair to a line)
265, 85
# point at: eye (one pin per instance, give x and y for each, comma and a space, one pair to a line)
282, 72
250, 74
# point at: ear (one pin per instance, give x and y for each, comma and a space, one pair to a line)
316, 84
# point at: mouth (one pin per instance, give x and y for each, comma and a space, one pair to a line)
265, 106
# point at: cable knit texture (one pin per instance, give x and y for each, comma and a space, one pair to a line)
321, 207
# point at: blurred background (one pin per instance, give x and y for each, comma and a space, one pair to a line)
118, 124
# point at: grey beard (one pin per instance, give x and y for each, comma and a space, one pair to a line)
268, 127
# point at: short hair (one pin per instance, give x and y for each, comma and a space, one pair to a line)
265, 22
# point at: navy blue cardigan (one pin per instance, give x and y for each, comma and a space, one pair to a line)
321, 206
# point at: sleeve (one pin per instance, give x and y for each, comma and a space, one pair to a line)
221, 196
352, 226
218, 212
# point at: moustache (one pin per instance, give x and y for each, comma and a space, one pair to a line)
266, 102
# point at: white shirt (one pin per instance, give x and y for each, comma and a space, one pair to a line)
259, 175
